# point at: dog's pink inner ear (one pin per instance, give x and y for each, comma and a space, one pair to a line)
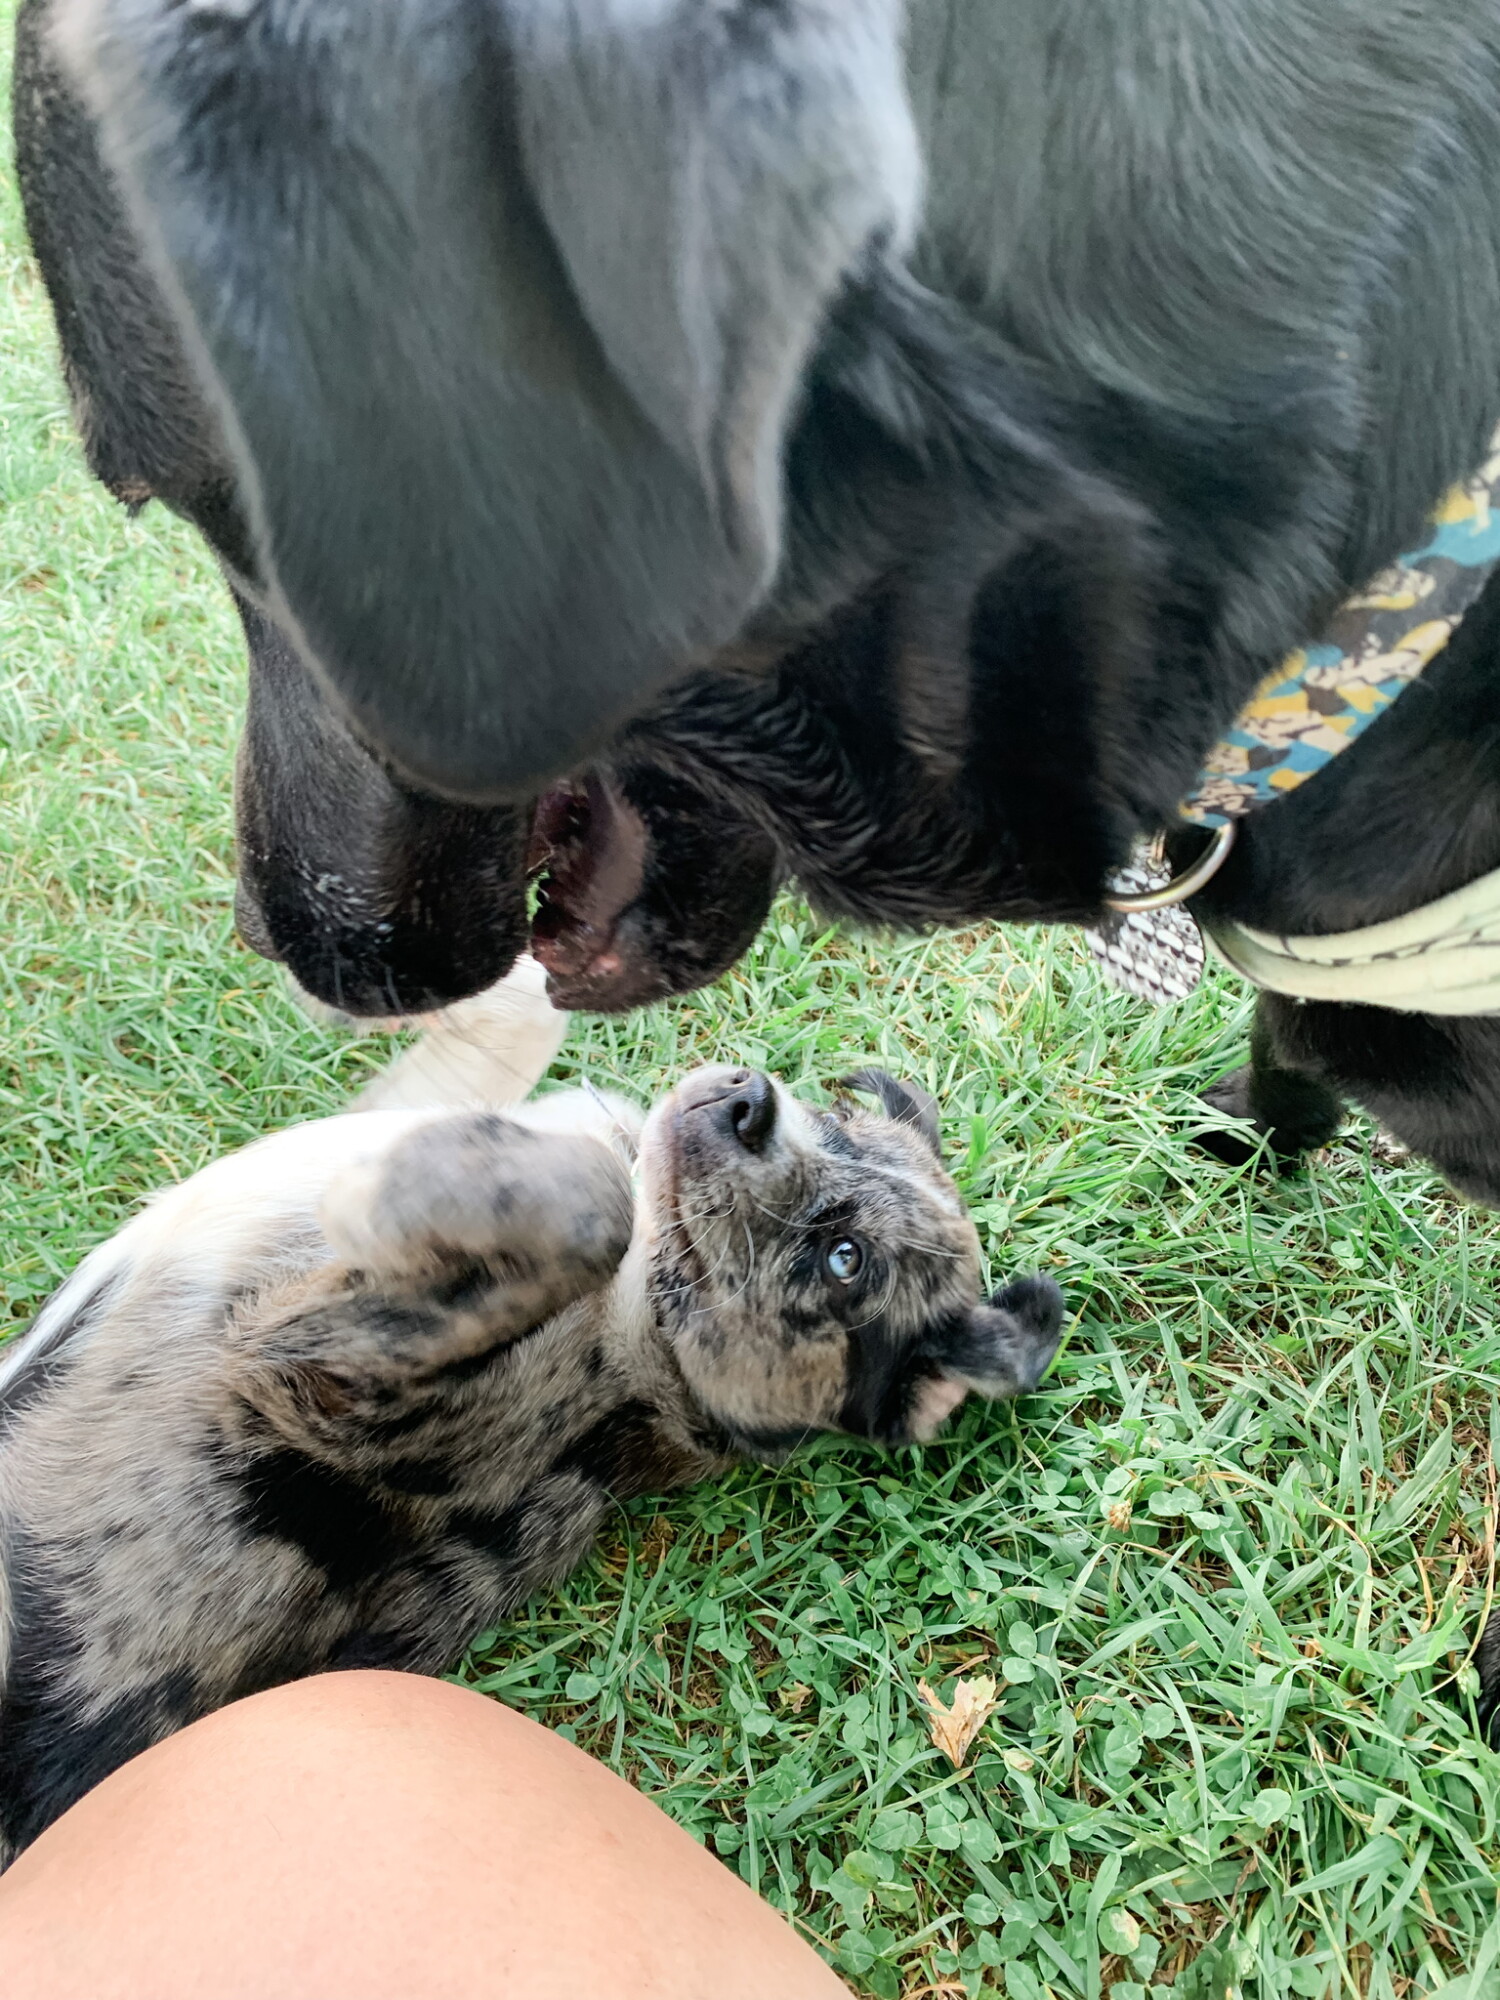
933, 1404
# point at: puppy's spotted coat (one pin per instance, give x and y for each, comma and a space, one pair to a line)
354, 1392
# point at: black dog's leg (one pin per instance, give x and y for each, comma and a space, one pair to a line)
456, 1241
1295, 1109
1432, 1080
1487, 1660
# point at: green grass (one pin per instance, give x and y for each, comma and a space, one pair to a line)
1230, 1758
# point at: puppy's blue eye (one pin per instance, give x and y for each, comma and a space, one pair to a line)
845, 1260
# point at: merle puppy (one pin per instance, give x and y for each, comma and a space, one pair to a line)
350, 1394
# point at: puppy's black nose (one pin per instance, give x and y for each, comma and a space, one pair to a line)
748, 1109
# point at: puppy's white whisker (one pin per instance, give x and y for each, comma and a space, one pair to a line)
697, 1281
705, 1214
626, 1137
883, 1304
785, 1221
718, 1305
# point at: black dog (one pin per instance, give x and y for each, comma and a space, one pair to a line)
883, 462
516, 363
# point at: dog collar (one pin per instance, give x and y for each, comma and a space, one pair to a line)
1308, 711
1443, 958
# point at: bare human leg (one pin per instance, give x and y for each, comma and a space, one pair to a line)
382, 1836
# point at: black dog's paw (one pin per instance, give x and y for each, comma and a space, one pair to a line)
1304, 1118
1231, 1096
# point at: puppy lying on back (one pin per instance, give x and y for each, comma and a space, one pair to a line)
345, 1397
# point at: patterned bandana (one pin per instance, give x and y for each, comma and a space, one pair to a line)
1312, 707
1322, 697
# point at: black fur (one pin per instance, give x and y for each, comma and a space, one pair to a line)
1182, 345
49, 1760
339, 1526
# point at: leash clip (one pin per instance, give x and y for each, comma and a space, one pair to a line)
1188, 883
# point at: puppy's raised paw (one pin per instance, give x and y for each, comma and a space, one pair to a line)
478, 1188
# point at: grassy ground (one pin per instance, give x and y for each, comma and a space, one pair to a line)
1226, 1564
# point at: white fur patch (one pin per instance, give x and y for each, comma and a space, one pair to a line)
933, 1404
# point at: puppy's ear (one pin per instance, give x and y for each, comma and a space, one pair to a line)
908, 1103
1002, 1349
503, 307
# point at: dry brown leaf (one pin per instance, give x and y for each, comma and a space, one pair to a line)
954, 1729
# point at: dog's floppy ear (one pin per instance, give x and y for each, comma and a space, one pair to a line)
1002, 1349
906, 1102
503, 306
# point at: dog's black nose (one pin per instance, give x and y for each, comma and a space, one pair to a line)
749, 1109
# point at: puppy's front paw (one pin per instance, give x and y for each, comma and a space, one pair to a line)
483, 1189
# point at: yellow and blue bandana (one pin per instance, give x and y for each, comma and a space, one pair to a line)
1314, 705
1323, 696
